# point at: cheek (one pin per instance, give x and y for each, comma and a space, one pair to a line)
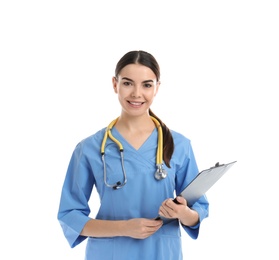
124, 92
153, 94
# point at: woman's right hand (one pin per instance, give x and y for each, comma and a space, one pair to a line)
141, 228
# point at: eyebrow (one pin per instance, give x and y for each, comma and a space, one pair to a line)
145, 81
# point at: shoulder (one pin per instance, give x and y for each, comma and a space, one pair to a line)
92, 141
96, 136
182, 144
183, 150
180, 138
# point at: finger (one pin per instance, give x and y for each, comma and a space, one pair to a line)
163, 212
170, 204
166, 212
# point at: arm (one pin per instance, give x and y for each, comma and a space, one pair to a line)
187, 169
139, 228
74, 210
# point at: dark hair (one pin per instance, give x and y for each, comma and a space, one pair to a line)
148, 60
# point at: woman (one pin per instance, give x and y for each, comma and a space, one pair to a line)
132, 197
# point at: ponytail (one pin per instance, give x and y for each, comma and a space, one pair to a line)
168, 144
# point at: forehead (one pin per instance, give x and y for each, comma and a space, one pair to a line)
137, 72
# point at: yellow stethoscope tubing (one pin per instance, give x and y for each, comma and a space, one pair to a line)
121, 149
108, 133
159, 157
159, 154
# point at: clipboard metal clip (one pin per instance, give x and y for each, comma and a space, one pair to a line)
216, 165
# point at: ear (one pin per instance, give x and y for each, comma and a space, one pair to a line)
114, 84
157, 87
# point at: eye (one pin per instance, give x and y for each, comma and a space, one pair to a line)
147, 85
127, 83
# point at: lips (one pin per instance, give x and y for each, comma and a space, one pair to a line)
135, 103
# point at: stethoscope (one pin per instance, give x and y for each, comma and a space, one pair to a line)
160, 172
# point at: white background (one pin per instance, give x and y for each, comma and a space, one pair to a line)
219, 65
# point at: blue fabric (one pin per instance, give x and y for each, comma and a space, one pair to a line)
141, 197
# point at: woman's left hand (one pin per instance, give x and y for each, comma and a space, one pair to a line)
170, 209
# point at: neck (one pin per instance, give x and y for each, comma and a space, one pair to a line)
134, 123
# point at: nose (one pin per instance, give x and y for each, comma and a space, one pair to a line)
136, 92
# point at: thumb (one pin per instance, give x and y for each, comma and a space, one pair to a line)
180, 199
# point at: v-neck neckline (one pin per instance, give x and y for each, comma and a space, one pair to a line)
126, 144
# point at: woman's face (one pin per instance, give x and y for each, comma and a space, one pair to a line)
136, 86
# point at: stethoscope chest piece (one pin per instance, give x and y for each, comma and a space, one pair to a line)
161, 173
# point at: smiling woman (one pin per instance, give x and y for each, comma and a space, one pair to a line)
137, 164
138, 90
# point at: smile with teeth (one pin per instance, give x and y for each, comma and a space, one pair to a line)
136, 103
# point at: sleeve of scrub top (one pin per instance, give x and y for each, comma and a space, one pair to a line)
185, 174
74, 210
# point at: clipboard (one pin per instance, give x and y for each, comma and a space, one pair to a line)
202, 183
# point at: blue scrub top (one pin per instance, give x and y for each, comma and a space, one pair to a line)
141, 197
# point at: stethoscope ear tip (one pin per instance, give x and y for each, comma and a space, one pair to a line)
117, 185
